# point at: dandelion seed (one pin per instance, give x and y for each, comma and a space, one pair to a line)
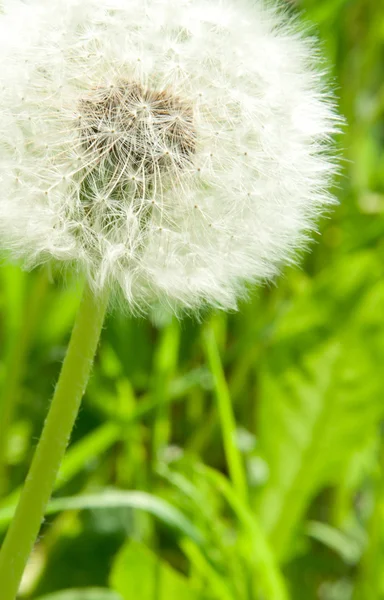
173, 149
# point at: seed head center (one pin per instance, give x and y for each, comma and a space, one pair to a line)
137, 131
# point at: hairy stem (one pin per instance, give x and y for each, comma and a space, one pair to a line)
50, 450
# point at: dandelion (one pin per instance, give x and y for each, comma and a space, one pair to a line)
172, 151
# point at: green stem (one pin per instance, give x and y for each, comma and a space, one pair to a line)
15, 366
50, 450
227, 419
165, 364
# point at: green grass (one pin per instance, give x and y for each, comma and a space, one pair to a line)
240, 458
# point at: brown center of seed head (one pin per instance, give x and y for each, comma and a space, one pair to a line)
137, 132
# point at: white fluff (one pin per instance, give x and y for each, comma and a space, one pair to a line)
186, 225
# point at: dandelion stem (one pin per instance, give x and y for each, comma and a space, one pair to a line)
50, 450
227, 419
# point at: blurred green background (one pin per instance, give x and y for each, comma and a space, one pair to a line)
146, 507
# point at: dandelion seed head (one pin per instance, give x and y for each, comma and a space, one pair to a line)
174, 150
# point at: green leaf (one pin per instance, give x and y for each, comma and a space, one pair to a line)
82, 594
117, 499
138, 574
314, 412
218, 584
343, 544
258, 552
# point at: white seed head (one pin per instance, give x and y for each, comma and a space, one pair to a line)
173, 149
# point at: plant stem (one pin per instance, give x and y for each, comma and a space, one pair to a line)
165, 364
227, 419
50, 450
15, 366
